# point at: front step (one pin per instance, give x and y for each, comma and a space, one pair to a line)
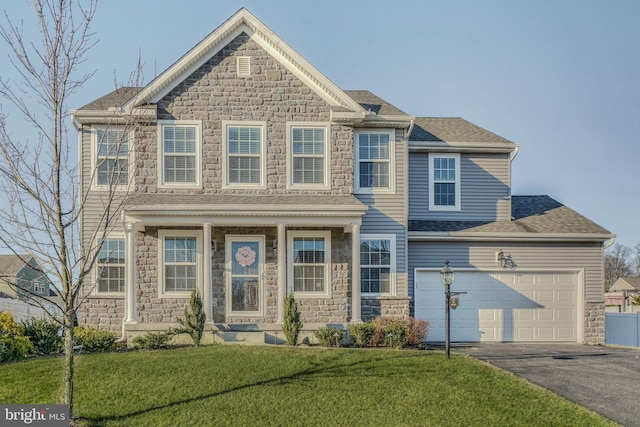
239, 337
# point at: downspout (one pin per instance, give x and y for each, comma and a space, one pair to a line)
608, 245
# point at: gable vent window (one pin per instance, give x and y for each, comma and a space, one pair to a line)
244, 66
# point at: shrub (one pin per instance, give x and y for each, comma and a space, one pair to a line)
330, 336
193, 322
292, 324
361, 334
395, 333
153, 340
44, 334
94, 340
417, 333
13, 344
8, 326
378, 324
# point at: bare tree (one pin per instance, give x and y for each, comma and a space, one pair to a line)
41, 178
616, 264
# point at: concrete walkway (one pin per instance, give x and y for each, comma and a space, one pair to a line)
602, 378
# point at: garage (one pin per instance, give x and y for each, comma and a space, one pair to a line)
503, 306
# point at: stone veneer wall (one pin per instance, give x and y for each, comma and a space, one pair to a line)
594, 323
102, 313
394, 307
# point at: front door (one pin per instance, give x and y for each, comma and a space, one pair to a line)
244, 261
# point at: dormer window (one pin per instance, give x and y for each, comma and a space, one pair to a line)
444, 182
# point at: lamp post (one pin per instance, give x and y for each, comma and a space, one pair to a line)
446, 274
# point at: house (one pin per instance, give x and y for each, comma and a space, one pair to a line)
250, 175
21, 278
629, 284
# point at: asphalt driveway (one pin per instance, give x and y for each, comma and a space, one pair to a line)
602, 378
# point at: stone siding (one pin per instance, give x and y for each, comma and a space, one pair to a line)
396, 308
102, 313
594, 326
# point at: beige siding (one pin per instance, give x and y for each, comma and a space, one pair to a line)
484, 187
527, 256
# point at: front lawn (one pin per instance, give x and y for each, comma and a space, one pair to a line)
264, 385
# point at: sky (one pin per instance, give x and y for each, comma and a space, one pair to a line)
559, 78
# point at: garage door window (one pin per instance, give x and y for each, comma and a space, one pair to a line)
377, 266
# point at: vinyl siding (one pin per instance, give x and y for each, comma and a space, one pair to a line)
527, 256
484, 187
387, 213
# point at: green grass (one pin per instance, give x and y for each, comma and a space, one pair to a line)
242, 385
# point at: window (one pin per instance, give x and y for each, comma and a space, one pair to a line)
38, 287
375, 170
245, 258
377, 264
111, 157
180, 154
180, 259
111, 266
311, 260
444, 182
308, 160
245, 155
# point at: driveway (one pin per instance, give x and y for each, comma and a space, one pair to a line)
602, 378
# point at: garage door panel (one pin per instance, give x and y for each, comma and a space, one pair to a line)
501, 306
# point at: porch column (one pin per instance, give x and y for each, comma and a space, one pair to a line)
206, 276
282, 265
130, 274
355, 273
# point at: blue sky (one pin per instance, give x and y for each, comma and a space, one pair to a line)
560, 78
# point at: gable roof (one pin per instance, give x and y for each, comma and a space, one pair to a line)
244, 22
533, 217
10, 265
626, 284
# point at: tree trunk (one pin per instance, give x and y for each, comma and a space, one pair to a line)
69, 364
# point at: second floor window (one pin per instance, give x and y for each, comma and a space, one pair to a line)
308, 161
38, 287
111, 266
245, 155
374, 153
180, 158
444, 182
377, 264
112, 157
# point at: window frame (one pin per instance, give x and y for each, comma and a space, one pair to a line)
392, 265
391, 189
162, 235
119, 236
324, 234
229, 240
95, 157
291, 156
38, 284
198, 154
226, 125
432, 182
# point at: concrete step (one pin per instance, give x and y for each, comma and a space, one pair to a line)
239, 337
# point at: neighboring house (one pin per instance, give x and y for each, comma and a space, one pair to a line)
254, 176
630, 284
20, 277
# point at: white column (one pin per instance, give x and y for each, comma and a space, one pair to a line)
130, 274
282, 274
206, 274
355, 273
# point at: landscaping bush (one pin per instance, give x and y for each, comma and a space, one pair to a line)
13, 344
417, 333
44, 334
330, 336
292, 324
153, 340
395, 333
193, 322
94, 340
361, 334
378, 324
8, 326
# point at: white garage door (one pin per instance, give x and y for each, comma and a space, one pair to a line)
501, 306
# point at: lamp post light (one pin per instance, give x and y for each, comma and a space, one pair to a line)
446, 274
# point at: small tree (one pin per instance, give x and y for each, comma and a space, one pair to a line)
292, 324
193, 322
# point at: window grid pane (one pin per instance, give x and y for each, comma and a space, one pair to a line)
180, 257
309, 264
308, 155
111, 258
444, 177
375, 266
245, 151
179, 143
112, 157
374, 154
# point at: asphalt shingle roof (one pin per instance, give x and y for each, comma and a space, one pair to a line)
113, 99
634, 282
531, 214
11, 264
369, 101
451, 129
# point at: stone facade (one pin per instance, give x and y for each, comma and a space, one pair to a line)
594, 327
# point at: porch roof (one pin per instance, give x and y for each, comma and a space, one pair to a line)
241, 210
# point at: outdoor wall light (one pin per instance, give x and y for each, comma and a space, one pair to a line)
214, 247
275, 247
504, 261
